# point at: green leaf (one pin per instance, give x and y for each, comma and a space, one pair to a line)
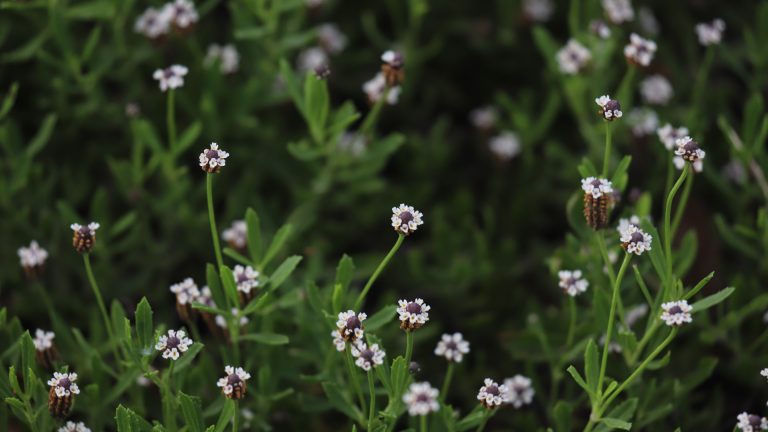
345, 271
42, 137
144, 326
225, 417
562, 413
277, 243
9, 100
230, 287
283, 271
592, 366
254, 234
188, 137
380, 318
337, 399
619, 178
712, 300
212, 279
27, 360
656, 254
266, 338
291, 85
616, 423
472, 420
699, 286
399, 377
186, 358
316, 106
191, 409
579, 380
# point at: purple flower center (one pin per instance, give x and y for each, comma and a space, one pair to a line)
168, 73
674, 310
612, 105
367, 355
596, 182
406, 217
755, 421
85, 231
492, 390
212, 154
172, 342
65, 383
241, 277
422, 397
691, 147
413, 308
451, 346
636, 237
233, 379
353, 322
397, 60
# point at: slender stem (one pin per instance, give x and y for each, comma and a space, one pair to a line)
572, 324
379, 269
170, 376
423, 421
607, 155
354, 379
667, 224
611, 316
624, 92
99, 300
481, 427
171, 119
212, 220
682, 203
372, 407
645, 339
408, 346
235, 417
373, 114
447, 381
606, 259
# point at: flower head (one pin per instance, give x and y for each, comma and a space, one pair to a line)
43, 340
221, 321
32, 258
668, 135
71, 426
538, 10
452, 347
689, 151
153, 23
634, 240
519, 391
639, 51
349, 328
312, 58
573, 57
618, 11
421, 399
597, 187
367, 356
505, 146
644, 121
226, 56
331, 39
186, 291
212, 159
656, 90
710, 33
171, 77
676, 313
751, 422
233, 385
63, 384
493, 395
412, 314
598, 197
406, 219
246, 279
376, 88
484, 117
610, 109
572, 283
84, 237
173, 344
322, 72
392, 67
764, 373
181, 13
600, 29
236, 235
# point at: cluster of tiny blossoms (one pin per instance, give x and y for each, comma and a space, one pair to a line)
177, 15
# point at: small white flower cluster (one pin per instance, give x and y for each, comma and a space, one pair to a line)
600, 29
412, 314
710, 33
610, 109
421, 399
639, 51
405, 219
656, 90
186, 291
212, 159
668, 135
538, 10
505, 146
368, 357
312, 58
688, 151
376, 87
154, 23
349, 327
573, 57
89, 230
331, 39
619, 11
33, 256
71, 426
676, 313
751, 422
634, 240
492, 395
64, 384
519, 391
597, 187
171, 77
235, 376
221, 321
644, 121
236, 235
625, 223
484, 117
452, 347
246, 278
571, 282
43, 340
226, 56
173, 344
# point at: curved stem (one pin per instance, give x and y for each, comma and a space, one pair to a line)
379, 269
682, 203
572, 324
99, 301
408, 347
667, 224
353, 378
611, 316
171, 119
212, 220
373, 114
447, 381
372, 407
607, 155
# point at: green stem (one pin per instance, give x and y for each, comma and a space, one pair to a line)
447, 381
170, 376
372, 407
625, 88
572, 324
354, 379
235, 417
607, 155
645, 339
379, 269
212, 220
682, 203
408, 347
373, 114
667, 225
611, 316
423, 421
171, 119
100, 301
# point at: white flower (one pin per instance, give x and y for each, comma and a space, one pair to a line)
571, 282
376, 87
235, 377
212, 159
71, 426
246, 278
173, 344
349, 327
710, 33
331, 38
634, 240
656, 90
484, 117
644, 121
519, 391
222, 322
679, 162
492, 395
312, 58
367, 356
32, 256
505, 145
634, 314
600, 28
186, 291
205, 297
452, 347
413, 314
573, 57
406, 219
171, 77
538, 10
89, 230
225, 55
625, 223
764, 372
84, 237
153, 23
64, 384
669, 135
676, 313
597, 187
689, 150
610, 109
236, 235
421, 399
181, 13
618, 11
751, 423
43, 339
393, 58
639, 51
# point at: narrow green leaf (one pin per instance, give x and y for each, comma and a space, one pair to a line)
254, 234
283, 271
214, 284
712, 300
591, 365
277, 243
266, 338
616, 423
144, 325
225, 417
230, 287
380, 318
699, 286
191, 410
